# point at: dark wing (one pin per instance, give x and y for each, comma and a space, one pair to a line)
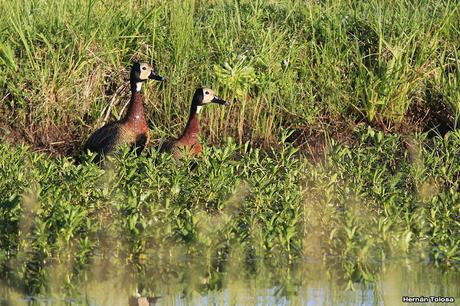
173, 147
104, 140
166, 146
140, 143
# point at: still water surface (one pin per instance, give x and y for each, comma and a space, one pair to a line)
193, 282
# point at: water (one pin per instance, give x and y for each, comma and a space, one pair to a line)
199, 281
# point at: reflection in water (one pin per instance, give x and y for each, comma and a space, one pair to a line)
185, 281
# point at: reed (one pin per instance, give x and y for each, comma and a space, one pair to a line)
287, 65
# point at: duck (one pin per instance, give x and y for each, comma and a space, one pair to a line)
189, 139
132, 129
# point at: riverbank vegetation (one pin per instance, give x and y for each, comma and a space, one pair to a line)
340, 143
388, 198
310, 67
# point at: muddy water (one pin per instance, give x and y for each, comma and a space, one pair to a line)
173, 281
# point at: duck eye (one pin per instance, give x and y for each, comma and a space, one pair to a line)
143, 68
206, 92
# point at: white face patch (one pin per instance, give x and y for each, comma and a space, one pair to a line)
138, 86
208, 95
198, 108
145, 71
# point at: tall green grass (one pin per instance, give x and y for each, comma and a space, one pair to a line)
297, 66
284, 64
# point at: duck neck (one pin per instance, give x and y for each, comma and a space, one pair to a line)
192, 129
136, 106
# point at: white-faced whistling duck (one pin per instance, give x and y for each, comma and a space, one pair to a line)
132, 129
189, 138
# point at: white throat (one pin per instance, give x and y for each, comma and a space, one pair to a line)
198, 108
138, 86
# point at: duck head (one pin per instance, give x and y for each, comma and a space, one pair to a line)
205, 96
141, 72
